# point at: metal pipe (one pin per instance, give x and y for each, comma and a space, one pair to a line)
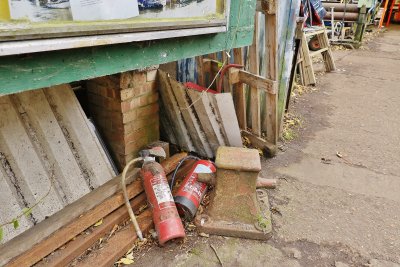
332, 22
342, 16
352, 8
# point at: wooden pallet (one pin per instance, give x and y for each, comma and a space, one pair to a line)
305, 66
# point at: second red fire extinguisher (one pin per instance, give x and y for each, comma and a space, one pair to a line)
191, 192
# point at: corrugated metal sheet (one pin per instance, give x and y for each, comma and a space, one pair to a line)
48, 155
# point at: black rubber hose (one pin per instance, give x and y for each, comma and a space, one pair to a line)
179, 165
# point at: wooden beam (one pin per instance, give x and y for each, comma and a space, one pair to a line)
200, 71
118, 244
257, 142
239, 92
258, 82
270, 123
254, 93
76, 247
70, 229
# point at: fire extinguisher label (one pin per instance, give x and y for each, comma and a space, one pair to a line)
162, 192
202, 169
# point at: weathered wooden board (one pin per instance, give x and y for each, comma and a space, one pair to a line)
207, 119
223, 104
192, 123
118, 244
81, 243
203, 122
25, 241
172, 113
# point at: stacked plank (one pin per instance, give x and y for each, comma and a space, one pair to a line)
197, 121
65, 229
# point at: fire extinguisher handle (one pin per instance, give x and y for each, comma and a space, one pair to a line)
125, 193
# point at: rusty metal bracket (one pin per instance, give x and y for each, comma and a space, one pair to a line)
234, 209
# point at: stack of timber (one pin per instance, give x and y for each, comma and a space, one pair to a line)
72, 228
49, 157
197, 121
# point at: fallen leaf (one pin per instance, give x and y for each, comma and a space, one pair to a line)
15, 223
98, 223
125, 261
129, 256
204, 235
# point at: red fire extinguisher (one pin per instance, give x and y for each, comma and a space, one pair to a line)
167, 222
166, 219
191, 192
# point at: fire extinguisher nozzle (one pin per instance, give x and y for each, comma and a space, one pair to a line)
140, 235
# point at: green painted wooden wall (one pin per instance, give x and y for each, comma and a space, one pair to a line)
38, 70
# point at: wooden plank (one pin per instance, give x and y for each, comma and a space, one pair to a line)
314, 53
192, 124
170, 164
326, 53
200, 71
39, 241
312, 33
118, 244
271, 119
257, 142
307, 66
224, 107
207, 119
173, 114
76, 247
254, 93
258, 82
166, 131
227, 87
239, 92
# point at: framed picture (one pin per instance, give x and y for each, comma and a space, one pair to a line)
132, 19
78, 17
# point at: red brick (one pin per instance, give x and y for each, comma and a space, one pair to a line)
150, 87
137, 124
139, 101
110, 81
132, 79
151, 75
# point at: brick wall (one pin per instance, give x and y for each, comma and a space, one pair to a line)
125, 109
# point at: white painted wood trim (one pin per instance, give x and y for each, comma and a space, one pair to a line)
33, 46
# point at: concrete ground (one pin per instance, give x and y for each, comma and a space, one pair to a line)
340, 211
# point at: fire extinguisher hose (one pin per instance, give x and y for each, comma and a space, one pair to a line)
128, 206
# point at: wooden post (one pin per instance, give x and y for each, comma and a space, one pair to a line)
270, 123
200, 71
360, 24
298, 37
239, 93
254, 94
